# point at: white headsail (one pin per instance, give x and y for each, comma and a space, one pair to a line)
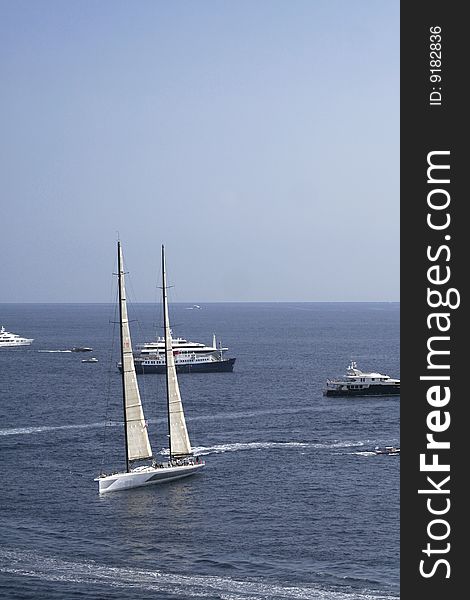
138, 445
179, 438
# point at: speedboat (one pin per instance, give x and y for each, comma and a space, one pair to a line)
390, 450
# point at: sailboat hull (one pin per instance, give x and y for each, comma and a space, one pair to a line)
143, 476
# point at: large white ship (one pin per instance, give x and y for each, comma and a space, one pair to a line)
12, 340
190, 357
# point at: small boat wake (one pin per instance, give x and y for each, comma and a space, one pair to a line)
365, 453
55, 351
380, 451
204, 450
272, 445
49, 428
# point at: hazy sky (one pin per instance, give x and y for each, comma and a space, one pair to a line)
257, 139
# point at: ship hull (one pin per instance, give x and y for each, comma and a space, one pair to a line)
220, 366
17, 344
374, 391
140, 478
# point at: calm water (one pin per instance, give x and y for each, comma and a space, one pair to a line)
291, 505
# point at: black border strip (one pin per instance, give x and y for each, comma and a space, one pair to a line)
430, 124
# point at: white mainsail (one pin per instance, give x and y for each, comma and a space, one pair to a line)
179, 438
137, 439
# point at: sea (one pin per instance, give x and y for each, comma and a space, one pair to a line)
292, 504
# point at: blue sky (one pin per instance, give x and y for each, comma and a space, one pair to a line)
259, 140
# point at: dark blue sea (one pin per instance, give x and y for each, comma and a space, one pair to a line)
291, 504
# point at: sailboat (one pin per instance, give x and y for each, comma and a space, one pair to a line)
181, 461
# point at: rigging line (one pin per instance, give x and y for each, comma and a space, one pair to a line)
157, 331
110, 371
158, 303
175, 327
175, 302
132, 302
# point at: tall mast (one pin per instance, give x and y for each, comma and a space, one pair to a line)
121, 300
165, 325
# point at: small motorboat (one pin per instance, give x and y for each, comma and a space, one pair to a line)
90, 360
390, 450
81, 349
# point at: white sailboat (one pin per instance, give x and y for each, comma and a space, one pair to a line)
181, 461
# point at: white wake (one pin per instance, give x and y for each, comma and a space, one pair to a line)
28, 564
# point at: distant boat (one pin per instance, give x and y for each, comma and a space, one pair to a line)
193, 307
92, 359
390, 450
12, 340
81, 349
181, 461
359, 383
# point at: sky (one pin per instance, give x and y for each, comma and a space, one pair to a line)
257, 139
